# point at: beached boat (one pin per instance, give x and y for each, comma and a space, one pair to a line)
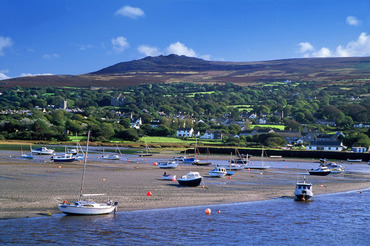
147, 149
63, 158
354, 160
190, 179
168, 164
218, 172
303, 191
190, 160
43, 151
166, 176
111, 157
320, 171
26, 156
201, 163
179, 158
85, 205
199, 160
334, 167
262, 165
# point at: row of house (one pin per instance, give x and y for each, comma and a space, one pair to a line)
317, 141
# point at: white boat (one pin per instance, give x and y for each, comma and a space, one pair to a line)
43, 151
85, 205
147, 149
26, 156
320, 171
166, 176
168, 164
334, 167
178, 158
63, 158
111, 157
303, 191
354, 160
190, 179
218, 172
250, 165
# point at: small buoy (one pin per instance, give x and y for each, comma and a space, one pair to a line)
102, 179
64, 202
155, 164
49, 214
208, 211
219, 211
228, 177
249, 170
149, 193
59, 166
285, 167
360, 192
173, 179
202, 186
321, 186
144, 159
128, 160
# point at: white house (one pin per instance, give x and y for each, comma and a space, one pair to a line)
326, 146
185, 132
212, 134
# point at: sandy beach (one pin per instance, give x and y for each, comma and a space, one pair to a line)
33, 188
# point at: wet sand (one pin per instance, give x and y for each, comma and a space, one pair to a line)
32, 188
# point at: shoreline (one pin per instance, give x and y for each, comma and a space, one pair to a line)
32, 188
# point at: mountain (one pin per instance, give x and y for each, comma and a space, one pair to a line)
174, 68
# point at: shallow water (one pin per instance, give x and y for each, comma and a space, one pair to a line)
334, 219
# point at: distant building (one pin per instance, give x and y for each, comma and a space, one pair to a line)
117, 101
185, 132
326, 146
212, 134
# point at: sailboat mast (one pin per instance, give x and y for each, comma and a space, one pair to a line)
85, 159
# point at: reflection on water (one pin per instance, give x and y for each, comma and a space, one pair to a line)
335, 219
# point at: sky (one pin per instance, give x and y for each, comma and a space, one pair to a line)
43, 37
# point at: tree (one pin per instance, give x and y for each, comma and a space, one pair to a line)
128, 135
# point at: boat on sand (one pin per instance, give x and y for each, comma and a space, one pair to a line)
303, 191
190, 179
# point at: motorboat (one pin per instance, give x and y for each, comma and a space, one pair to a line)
218, 172
43, 151
168, 164
111, 157
85, 205
201, 163
190, 179
63, 158
179, 158
26, 156
233, 167
166, 176
320, 171
88, 206
303, 191
190, 160
334, 167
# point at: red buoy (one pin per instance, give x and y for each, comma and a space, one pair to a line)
149, 193
208, 211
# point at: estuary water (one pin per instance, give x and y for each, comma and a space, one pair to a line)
331, 219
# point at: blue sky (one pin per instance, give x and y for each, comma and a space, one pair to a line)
82, 36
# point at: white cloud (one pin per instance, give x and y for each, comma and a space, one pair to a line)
130, 12
353, 21
50, 56
34, 74
3, 76
359, 47
148, 50
305, 46
120, 44
180, 49
5, 42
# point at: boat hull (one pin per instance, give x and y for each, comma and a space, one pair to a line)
192, 182
199, 163
81, 210
319, 173
302, 197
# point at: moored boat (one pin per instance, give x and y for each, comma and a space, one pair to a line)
320, 171
303, 191
190, 179
63, 158
166, 176
85, 205
168, 164
43, 151
218, 172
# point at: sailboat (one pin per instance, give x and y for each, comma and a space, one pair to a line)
250, 165
146, 151
112, 157
197, 160
85, 205
27, 156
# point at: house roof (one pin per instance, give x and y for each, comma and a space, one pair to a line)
326, 143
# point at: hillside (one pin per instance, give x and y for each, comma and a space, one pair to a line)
174, 68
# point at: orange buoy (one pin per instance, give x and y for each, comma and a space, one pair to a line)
219, 211
208, 211
155, 164
149, 193
321, 186
64, 202
360, 192
228, 177
60, 167
202, 186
